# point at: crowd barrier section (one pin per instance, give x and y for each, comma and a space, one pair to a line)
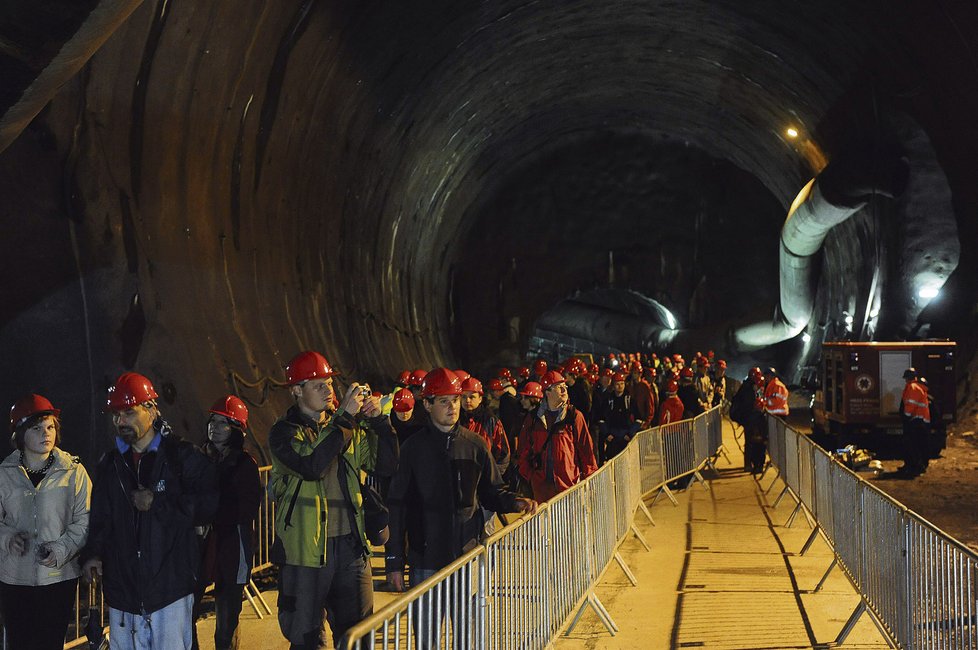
537, 576
918, 585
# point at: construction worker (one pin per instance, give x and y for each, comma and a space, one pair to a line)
688, 394
556, 449
539, 370
150, 492
672, 409
321, 544
775, 395
719, 382
578, 390
915, 412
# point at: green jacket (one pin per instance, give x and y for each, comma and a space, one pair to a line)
302, 451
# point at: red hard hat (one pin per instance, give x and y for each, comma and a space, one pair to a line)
523, 372
672, 387
462, 374
758, 379
417, 377
441, 381
721, 363
651, 372
472, 385
403, 400
687, 373
611, 355
607, 372
635, 366
495, 384
594, 368
130, 389
676, 358
404, 377
552, 378
619, 376
710, 354
307, 365
539, 367
532, 389
233, 409
593, 377
505, 372
755, 372
30, 405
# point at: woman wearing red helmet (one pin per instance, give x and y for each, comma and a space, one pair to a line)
45, 495
229, 545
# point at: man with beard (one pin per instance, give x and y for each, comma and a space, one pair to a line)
149, 493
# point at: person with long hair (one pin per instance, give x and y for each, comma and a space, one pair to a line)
45, 495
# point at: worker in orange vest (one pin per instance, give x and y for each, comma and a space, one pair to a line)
775, 395
915, 412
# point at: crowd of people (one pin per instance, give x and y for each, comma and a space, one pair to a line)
163, 518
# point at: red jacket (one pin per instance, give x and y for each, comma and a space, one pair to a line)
914, 401
560, 462
776, 397
671, 411
496, 439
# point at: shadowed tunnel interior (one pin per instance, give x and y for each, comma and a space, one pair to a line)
401, 185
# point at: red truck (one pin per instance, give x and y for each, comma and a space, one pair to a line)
861, 386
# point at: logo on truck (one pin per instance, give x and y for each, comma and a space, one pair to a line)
864, 383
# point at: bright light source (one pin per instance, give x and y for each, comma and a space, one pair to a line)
791, 132
806, 337
875, 312
929, 291
848, 319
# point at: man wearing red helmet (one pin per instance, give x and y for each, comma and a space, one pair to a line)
478, 419
688, 394
149, 493
321, 530
719, 382
229, 545
556, 449
578, 389
672, 409
703, 384
617, 425
642, 402
444, 478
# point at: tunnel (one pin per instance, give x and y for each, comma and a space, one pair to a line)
198, 191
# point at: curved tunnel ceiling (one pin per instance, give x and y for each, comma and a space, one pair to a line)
237, 181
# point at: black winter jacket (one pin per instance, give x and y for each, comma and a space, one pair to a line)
435, 495
150, 559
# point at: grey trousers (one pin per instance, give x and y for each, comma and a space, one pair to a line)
340, 592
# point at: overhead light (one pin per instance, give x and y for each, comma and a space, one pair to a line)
929, 291
849, 319
875, 312
806, 337
791, 132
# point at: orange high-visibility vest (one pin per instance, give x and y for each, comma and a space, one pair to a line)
915, 401
776, 398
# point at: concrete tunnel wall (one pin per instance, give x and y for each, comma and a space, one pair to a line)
234, 182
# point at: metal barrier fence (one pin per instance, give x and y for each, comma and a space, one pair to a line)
918, 584
537, 576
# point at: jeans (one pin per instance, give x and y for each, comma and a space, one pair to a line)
342, 591
169, 628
